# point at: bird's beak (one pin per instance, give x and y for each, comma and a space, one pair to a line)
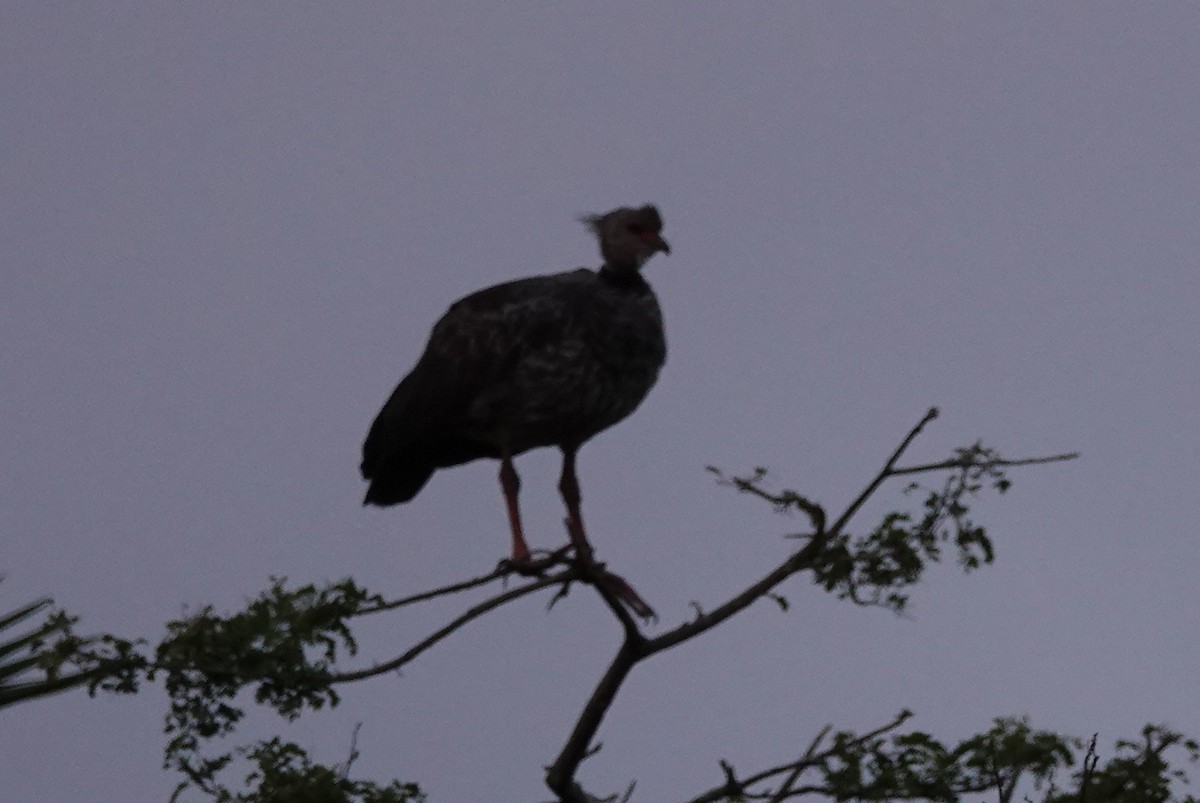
659, 243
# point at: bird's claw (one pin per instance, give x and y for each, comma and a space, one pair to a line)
531, 566
631, 598
535, 564
621, 589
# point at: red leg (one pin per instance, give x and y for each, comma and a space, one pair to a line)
511, 484
568, 486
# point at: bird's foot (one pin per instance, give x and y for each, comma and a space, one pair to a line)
597, 575
626, 594
534, 564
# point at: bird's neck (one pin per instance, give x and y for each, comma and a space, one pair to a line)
623, 278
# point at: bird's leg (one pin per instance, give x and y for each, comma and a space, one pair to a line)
568, 486
511, 484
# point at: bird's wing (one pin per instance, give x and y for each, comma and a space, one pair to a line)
484, 335
474, 347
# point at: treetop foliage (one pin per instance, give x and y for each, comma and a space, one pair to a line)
287, 650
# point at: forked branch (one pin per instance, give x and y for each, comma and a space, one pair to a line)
560, 776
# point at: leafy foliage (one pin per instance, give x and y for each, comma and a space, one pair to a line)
876, 568
52, 657
1011, 749
283, 773
915, 766
283, 644
284, 647
1139, 772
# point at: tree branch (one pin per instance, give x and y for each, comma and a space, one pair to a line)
806, 760
889, 558
883, 474
997, 462
810, 758
452, 588
560, 776
474, 612
796, 562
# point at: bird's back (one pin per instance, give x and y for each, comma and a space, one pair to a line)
548, 360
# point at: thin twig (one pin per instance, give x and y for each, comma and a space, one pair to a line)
345, 769
998, 462
501, 571
805, 761
796, 562
810, 758
883, 474
1090, 759
453, 588
472, 613
632, 633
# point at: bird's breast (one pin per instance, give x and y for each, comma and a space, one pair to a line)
569, 384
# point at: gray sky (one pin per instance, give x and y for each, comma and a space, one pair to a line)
228, 228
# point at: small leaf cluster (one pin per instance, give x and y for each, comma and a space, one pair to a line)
282, 772
1140, 772
916, 766
283, 644
877, 568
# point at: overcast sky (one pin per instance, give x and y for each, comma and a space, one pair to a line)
227, 230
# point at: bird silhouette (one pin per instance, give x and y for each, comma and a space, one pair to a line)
542, 361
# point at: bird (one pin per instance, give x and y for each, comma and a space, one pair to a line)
543, 361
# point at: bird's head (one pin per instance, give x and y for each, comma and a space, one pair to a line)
628, 237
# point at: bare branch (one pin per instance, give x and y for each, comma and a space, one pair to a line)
997, 462
1090, 759
796, 562
635, 648
473, 612
806, 761
884, 473
453, 588
344, 770
810, 758
560, 776
504, 569
594, 574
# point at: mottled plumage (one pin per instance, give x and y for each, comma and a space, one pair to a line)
544, 361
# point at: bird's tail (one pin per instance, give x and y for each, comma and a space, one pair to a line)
396, 483
395, 457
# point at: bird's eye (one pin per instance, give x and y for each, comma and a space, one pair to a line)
637, 229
